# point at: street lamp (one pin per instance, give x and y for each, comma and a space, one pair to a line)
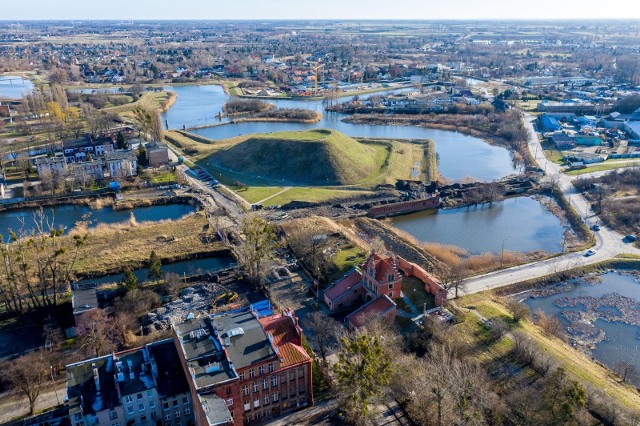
502, 252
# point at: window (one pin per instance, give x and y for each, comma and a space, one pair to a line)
130, 410
245, 390
140, 407
292, 375
177, 414
270, 367
113, 415
150, 393
143, 418
261, 370
128, 398
187, 411
228, 391
390, 294
229, 401
175, 402
251, 373
300, 372
256, 403
152, 404
265, 400
247, 406
274, 397
284, 393
242, 376
167, 417
139, 396
165, 406
154, 416
265, 384
274, 381
185, 400
390, 286
301, 390
392, 277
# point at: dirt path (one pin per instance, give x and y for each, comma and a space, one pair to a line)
274, 195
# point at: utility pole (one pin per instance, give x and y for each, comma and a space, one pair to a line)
54, 385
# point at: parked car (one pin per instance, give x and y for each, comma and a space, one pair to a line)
595, 227
629, 238
589, 253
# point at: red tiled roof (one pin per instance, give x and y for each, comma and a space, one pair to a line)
281, 328
376, 307
292, 354
343, 285
381, 266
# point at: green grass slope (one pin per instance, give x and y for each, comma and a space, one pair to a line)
313, 157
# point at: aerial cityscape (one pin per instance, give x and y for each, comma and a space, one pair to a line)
319, 214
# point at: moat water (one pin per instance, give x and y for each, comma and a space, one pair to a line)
182, 268
522, 223
459, 155
67, 215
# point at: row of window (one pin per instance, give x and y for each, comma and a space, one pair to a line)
265, 385
175, 403
139, 396
265, 401
292, 373
167, 417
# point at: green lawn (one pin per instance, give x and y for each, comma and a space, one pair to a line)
356, 257
413, 288
310, 194
254, 194
604, 166
166, 177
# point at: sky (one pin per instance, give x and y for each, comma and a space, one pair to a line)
318, 9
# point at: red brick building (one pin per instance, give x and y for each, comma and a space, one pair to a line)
376, 284
242, 368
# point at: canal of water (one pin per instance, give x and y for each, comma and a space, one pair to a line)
67, 215
522, 223
459, 155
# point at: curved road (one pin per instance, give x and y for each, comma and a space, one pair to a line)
608, 242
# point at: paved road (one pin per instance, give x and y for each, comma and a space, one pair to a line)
608, 242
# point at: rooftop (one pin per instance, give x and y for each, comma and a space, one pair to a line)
170, 379
376, 307
345, 283
216, 410
91, 385
132, 372
84, 297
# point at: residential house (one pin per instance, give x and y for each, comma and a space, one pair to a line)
47, 166
143, 387
158, 154
121, 164
84, 298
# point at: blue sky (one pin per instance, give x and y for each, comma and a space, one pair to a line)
318, 9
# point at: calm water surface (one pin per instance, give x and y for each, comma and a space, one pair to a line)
68, 214
182, 268
483, 228
14, 86
460, 155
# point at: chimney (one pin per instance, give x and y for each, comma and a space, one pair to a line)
96, 377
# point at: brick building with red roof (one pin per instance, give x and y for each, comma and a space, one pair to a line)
374, 285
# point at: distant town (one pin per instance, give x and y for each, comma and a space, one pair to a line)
319, 222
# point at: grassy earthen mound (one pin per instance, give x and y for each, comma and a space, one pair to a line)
313, 157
